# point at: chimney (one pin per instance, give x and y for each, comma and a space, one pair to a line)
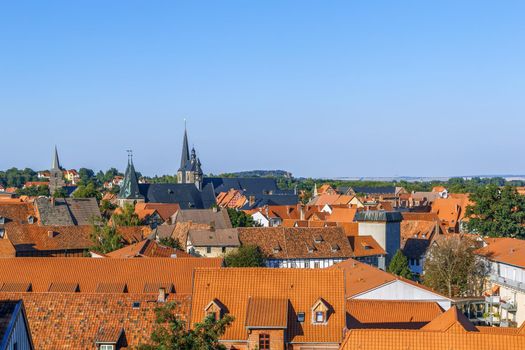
162, 295
215, 209
301, 210
251, 200
51, 233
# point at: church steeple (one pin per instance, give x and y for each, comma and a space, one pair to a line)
185, 157
56, 162
130, 185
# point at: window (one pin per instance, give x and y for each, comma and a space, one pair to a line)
300, 317
316, 264
213, 315
107, 347
208, 250
306, 264
224, 249
264, 341
319, 317
2, 232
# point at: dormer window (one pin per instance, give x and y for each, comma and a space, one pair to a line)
334, 247
320, 312
214, 310
2, 232
2, 220
318, 239
31, 219
300, 317
276, 248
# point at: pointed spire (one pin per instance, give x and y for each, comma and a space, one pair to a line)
56, 162
185, 157
130, 184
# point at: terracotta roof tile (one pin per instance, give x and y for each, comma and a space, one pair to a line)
365, 246
147, 248
390, 314
233, 288
298, 242
267, 313
89, 273
506, 250
76, 320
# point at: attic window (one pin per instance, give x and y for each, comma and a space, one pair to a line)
310, 248
335, 247
318, 239
107, 347
2, 220
300, 317
277, 248
136, 305
31, 219
319, 317
2, 232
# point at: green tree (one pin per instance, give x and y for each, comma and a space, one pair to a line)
126, 217
245, 256
497, 212
33, 191
171, 333
452, 268
60, 193
239, 218
87, 191
86, 176
106, 208
399, 265
170, 242
105, 237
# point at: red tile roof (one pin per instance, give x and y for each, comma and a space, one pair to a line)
506, 250
233, 288
91, 273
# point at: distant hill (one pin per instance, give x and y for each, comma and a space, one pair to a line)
259, 173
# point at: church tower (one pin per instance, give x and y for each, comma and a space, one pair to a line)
56, 175
190, 170
129, 192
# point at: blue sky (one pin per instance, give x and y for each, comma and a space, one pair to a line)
319, 88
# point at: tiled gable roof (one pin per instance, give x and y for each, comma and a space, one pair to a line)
148, 248
505, 250
390, 314
214, 238
165, 210
298, 242
365, 246
267, 313
219, 219
77, 321
90, 274
301, 287
453, 321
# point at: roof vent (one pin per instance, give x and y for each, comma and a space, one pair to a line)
51, 233
318, 239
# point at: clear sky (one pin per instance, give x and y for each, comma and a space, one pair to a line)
318, 88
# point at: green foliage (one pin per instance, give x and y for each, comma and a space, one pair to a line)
87, 191
60, 193
106, 208
107, 176
105, 237
497, 212
86, 176
127, 217
239, 218
33, 191
452, 268
17, 177
171, 333
399, 265
245, 256
170, 242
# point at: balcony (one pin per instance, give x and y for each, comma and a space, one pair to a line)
494, 300
509, 306
519, 286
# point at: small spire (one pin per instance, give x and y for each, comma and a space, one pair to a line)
56, 162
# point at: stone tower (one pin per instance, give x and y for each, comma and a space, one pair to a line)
56, 175
190, 170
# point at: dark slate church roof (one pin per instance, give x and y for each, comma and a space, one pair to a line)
249, 185
186, 195
375, 190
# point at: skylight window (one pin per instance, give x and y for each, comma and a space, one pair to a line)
136, 305
300, 317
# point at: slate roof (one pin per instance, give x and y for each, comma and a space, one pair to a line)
7, 312
249, 186
74, 320
67, 211
368, 190
219, 218
234, 287
92, 273
272, 200
298, 243
378, 215
187, 196
216, 238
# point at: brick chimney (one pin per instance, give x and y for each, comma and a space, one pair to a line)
51, 233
